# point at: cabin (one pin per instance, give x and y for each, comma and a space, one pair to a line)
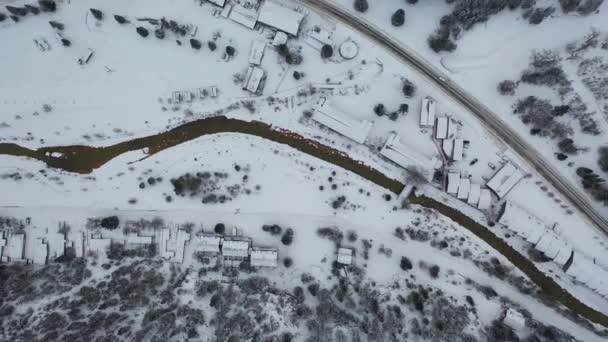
253, 79
441, 127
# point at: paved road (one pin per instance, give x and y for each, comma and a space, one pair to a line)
490, 120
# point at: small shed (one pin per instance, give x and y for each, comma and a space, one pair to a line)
427, 112
458, 152
345, 256
441, 128
254, 78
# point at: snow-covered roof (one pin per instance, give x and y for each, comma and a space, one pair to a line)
78, 244
99, 244
208, 243
589, 273
447, 146
349, 49
56, 243
345, 256
474, 193
550, 244
458, 152
254, 77
441, 128
172, 243
453, 183
264, 257
235, 248
256, 53
279, 38
408, 157
244, 16
464, 188
329, 116
280, 17
514, 319
427, 112
505, 179
14, 246
485, 199
522, 222
563, 256
40, 252
452, 128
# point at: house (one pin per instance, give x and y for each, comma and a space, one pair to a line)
441, 127
427, 112
247, 17
264, 257
463, 188
408, 158
96, 243
281, 17
235, 250
253, 79
327, 115
345, 256
505, 179
458, 151
208, 244
172, 243
12, 247
453, 183
474, 193
485, 199
256, 53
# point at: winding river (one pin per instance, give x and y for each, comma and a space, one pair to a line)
85, 159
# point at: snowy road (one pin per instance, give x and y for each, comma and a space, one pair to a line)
489, 119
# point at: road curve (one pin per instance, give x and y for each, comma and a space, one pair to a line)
489, 119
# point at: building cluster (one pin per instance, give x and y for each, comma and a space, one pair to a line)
172, 244
546, 240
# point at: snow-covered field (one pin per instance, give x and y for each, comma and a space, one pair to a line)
125, 92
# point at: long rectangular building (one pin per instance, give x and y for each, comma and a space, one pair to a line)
427, 112
327, 115
280, 17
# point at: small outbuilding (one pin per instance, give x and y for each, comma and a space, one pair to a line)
264, 257
345, 256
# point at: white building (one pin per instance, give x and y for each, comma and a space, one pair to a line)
56, 244
256, 53
464, 188
235, 251
458, 151
327, 115
172, 243
505, 179
40, 252
96, 243
247, 17
408, 158
474, 194
453, 183
264, 257
134, 239
427, 112
345, 256
253, 79
441, 127
280, 17
208, 244
589, 273
12, 247
514, 319
522, 222
279, 38
485, 199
